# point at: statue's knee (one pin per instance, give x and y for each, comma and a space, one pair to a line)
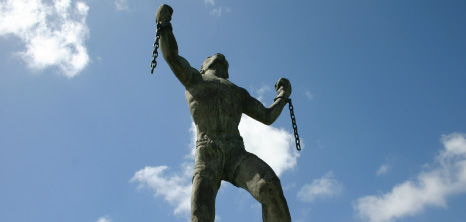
196, 177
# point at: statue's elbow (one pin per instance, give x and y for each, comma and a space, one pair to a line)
269, 117
268, 121
169, 58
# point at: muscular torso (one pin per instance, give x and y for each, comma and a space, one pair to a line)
216, 106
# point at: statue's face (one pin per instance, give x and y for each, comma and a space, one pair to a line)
217, 62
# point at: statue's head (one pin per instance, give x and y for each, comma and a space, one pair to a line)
217, 65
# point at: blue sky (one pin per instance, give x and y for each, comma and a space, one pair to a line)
87, 134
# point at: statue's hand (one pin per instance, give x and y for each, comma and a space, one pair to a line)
283, 87
164, 14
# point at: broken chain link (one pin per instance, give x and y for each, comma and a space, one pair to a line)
295, 127
155, 54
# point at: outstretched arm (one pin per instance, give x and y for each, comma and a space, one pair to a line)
255, 109
180, 67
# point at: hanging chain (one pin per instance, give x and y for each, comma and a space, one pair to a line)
295, 127
155, 54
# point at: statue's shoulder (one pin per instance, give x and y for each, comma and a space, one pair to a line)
234, 86
242, 91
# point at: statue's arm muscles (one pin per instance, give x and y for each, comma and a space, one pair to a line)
179, 65
256, 110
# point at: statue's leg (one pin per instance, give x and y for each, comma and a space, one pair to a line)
257, 177
206, 182
203, 198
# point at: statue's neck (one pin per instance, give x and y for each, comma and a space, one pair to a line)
217, 73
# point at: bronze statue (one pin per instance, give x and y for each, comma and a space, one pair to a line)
216, 105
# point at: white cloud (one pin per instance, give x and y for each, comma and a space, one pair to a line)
193, 132
430, 189
273, 145
383, 169
121, 5
53, 34
325, 187
104, 219
175, 188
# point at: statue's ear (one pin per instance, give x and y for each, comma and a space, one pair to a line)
202, 71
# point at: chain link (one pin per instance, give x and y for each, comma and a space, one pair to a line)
295, 127
155, 54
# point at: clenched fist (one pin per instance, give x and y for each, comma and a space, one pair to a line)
164, 14
283, 88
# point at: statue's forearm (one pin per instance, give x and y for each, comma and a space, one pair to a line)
169, 48
283, 88
274, 111
168, 44
259, 112
255, 109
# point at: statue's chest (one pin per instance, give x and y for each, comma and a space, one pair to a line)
214, 88
214, 94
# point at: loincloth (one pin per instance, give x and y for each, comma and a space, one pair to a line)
218, 159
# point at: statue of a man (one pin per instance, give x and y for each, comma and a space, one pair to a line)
216, 105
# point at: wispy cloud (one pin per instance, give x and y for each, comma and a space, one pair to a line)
209, 2
383, 169
121, 5
309, 95
104, 219
53, 34
261, 92
325, 187
219, 11
431, 188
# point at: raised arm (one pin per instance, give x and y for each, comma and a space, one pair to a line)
256, 110
180, 67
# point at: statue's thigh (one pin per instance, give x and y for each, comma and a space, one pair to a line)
253, 174
209, 162
206, 177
